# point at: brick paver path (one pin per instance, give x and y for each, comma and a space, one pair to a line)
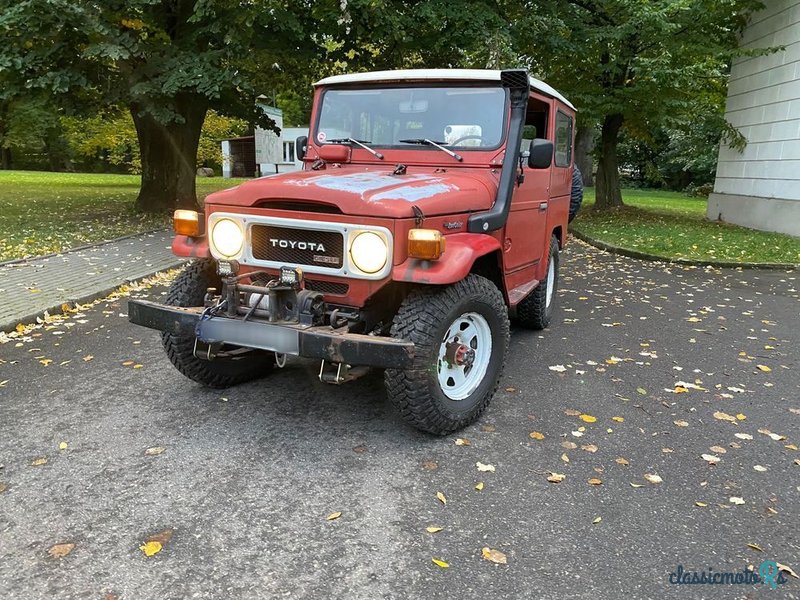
29, 288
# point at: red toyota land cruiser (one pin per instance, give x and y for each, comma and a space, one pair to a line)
432, 204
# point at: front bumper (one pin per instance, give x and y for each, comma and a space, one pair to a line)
320, 342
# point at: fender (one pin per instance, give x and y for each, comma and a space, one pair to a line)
183, 245
461, 252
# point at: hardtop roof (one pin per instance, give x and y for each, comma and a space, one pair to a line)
438, 75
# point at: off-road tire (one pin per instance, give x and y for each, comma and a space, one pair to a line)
189, 289
576, 193
533, 312
424, 318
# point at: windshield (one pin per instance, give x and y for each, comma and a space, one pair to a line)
457, 117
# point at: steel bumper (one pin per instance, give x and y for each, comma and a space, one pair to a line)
286, 338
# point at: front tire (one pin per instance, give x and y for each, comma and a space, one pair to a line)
460, 334
536, 310
188, 290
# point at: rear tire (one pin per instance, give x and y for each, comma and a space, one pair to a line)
576, 193
460, 334
189, 289
536, 309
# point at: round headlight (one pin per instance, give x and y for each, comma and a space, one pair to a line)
369, 252
227, 237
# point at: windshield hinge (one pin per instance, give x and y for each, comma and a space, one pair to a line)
419, 216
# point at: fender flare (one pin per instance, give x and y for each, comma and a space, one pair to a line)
461, 252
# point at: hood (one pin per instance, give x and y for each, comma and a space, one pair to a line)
370, 191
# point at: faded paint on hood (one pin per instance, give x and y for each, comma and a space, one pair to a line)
369, 191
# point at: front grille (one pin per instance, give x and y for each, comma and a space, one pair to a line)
327, 287
290, 246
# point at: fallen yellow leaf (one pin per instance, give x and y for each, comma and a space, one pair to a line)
127, 363
479, 486
755, 547
37, 462
433, 529
441, 497
536, 435
440, 563
724, 416
622, 461
588, 418
701, 504
333, 516
556, 477
740, 417
45, 361
155, 451
494, 556
595, 481
787, 569
681, 423
653, 477
679, 389
462, 442
589, 448
151, 548
63, 446
618, 419
597, 520
60, 550
763, 368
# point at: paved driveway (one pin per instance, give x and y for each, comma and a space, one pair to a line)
240, 494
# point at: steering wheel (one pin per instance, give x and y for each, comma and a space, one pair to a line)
466, 137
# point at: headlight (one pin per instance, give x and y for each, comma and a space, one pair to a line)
227, 237
369, 252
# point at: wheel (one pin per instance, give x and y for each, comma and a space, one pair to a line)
536, 309
239, 364
576, 194
460, 334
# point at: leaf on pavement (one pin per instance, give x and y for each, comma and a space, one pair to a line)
567, 445
440, 563
710, 458
622, 461
3, 487
589, 448
556, 477
759, 468
787, 569
653, 478
162, 537
718, 449
743, 436
333, 516
755, 547
700, 504
38, 462
642, 391
484, 468
434, 529
494, 556
536, 435
597, 520
763, 368
154, 451
637, 485
441, 497
63, 446
564, 457
558, 368
151, 548
681, 423
462, 442
479, 486
736, 500
724, 416
618, 419
595, 481
588, 418
60, 550
87, 358
571, 412
429, 465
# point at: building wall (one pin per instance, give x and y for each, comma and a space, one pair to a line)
760, 187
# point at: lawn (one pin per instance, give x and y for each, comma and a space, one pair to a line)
50, 212
672, 225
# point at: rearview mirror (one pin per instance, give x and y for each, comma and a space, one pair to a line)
300, 146
540, 155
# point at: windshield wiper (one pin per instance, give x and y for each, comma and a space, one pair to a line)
362, 143
428, 142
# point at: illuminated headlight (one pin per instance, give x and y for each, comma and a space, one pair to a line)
369, 252
227, 237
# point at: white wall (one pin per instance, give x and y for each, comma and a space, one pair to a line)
764, 104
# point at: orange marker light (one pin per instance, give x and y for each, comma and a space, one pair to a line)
187, 222
427, 244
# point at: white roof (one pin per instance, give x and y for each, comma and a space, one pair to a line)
438, 75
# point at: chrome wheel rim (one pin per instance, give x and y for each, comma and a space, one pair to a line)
464, 356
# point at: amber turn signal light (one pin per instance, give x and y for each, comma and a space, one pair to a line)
187, 222
427, 244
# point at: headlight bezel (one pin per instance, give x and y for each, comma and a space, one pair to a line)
216, 251
363, 234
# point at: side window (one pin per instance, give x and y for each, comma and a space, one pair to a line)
563, 143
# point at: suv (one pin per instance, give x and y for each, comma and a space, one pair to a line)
432, 204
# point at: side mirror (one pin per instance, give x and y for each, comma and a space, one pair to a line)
300, 147
540, 155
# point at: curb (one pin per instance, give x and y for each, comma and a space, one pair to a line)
31, 318
15, 261
719, 264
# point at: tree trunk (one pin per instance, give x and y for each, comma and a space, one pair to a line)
5, 158
169, 156
584, 144
607, 192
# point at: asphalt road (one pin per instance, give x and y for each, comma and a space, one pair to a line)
248, 475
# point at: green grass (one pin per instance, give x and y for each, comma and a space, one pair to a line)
672, 225
50, 212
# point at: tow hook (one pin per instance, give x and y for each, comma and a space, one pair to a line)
340, 373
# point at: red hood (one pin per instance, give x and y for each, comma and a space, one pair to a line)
367, 191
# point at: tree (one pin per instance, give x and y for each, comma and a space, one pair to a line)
629, 63
166, 61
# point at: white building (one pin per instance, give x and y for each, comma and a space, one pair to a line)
760, 187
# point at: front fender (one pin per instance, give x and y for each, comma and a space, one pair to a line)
183, 245
461, 252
